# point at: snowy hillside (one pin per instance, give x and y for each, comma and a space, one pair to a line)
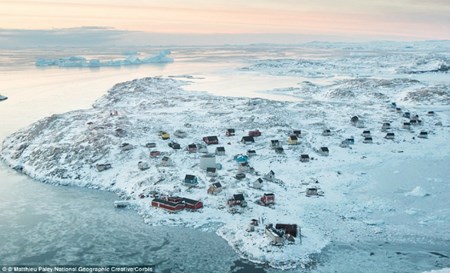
66, 149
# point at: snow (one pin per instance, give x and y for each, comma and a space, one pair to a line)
369, 190
443, 270
418, 192
130, 59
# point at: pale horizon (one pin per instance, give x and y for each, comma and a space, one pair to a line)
396, 19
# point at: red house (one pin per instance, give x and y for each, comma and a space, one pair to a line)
155, 153
254, 133
192, 204
268, 199
209, 140
172, 205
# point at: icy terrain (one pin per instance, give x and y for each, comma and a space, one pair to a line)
131, 58
65, 148
372, 192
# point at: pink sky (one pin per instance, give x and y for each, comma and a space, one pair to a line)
414, 19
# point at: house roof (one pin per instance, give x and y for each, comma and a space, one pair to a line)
274, 141
211, 138
191, 201
248, 138
220, 149
213, 170
230, 130
304, 156
162, 201
259, 180
269, 194
217, 185
238, 197
324, 149
192, 146
189, 177
293, 137
165, 158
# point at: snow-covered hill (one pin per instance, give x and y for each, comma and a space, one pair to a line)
66, 148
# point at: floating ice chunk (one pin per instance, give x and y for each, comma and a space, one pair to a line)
417, 191
411, 211
374, 222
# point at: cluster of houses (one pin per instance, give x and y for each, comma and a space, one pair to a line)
280, 232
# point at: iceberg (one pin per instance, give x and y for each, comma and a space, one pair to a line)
80, 61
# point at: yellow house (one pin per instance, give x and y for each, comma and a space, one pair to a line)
164, 135
292, 140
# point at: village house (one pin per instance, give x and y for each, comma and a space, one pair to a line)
279, 150
174, 145
113, 113
175, 204
430, 113
172, 205
155, 153
276, 236
289, 229
230, 132
406, 125
274, 143
215, 188
368, 140
192, 148
406, 115
298, 133
237, 200
251, 153
103, 167
423, 134
190, 180
354, 120
150, 145
390, 136
386, 126
254, 133
248, 140
304, 158
292, 140
398, 110
210, 140
366, 133
244, 167
270, 176
126, 147
164, 135
258, 183
220, 151
192, 205
268, 199
239, 176
241, 158
326, 132
211, 172
312, 192
143, 165
324, 151
166, 161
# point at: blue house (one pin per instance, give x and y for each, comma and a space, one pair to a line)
241, 158
190, 180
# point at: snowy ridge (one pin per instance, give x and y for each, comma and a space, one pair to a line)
65, 149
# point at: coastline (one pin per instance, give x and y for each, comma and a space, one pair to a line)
53, 150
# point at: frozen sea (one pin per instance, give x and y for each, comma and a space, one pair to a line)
49, 225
